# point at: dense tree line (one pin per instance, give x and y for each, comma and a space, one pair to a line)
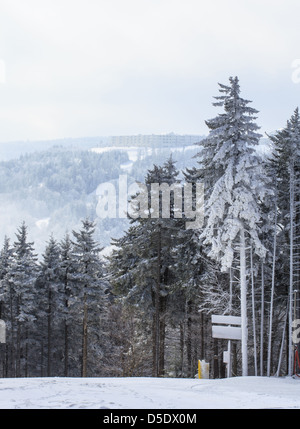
49, 305
244, 260
146, 309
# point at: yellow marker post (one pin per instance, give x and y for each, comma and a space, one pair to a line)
199, 369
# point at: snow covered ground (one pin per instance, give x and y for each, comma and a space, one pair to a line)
149, 393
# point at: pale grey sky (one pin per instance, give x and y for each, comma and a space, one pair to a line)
74, 68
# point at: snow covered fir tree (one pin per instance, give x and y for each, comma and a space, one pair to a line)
146, 309
234, 190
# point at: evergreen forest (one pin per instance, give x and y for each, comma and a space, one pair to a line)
145, 308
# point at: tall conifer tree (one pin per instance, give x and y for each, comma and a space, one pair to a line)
234, 186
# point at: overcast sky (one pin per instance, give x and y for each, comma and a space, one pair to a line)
74, 68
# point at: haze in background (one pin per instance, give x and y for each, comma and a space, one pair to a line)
74, 68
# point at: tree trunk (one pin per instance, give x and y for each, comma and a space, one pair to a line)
26, 353
234, 359
162, 336
189, 339
154, 345
49, 328
84, 338
216, 359
18, 345
272, 294
290, 349
66, 360
42, 357
181, 327
202, 336
12, 339
157, 307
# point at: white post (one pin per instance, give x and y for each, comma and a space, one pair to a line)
282, 343
253, 312
230, 310
243, 285
2, 331
262, 321
272, 295
290, 367
229, 360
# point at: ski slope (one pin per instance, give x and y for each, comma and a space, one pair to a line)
149, 393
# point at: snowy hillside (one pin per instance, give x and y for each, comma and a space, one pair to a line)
150, 393
53, 188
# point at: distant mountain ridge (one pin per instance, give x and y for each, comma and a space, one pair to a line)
11, 150
53, 187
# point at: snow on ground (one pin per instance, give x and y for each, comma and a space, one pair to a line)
149, 393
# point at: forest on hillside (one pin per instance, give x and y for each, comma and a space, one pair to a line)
53, 189
145, 310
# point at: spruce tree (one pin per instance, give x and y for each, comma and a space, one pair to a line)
235, 185
49, 287
142, 263
5, 260
67, 275
91, 291
21, 292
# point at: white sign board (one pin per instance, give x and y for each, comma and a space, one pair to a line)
227, 332
227, 328
2, 331
226, 320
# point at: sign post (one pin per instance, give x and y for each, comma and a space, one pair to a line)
2, 331
227, 327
